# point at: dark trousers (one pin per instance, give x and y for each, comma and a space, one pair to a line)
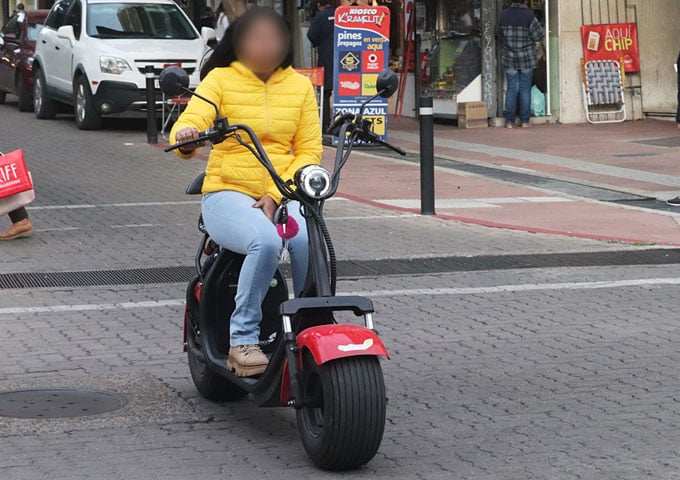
327, 109
18, 215
677, 116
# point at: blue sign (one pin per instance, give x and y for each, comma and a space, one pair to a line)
362, 42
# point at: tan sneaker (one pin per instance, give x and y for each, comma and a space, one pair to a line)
247, 360
22, 228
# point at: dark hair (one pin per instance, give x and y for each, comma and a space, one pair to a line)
224, 53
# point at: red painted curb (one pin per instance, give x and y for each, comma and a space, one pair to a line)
506, 226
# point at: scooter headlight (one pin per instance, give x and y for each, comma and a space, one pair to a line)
314, 181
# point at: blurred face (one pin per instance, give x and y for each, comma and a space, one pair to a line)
263, 46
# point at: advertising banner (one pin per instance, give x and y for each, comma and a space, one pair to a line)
612, 42
362, 36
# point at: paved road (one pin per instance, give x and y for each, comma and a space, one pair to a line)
500, 374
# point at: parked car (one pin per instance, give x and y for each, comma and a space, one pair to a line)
17, 48
92, 54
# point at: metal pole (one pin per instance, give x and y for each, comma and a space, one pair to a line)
151, 122
426, 116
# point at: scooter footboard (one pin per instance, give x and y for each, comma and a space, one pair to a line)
330, 342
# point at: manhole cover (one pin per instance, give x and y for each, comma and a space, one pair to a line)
58, 403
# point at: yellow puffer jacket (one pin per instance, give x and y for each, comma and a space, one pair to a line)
283, 113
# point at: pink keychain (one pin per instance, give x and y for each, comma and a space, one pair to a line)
288, 230
286, 226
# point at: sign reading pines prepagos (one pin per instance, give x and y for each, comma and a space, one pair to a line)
362, 39
612, 42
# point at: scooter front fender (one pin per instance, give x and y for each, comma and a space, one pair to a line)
331, 342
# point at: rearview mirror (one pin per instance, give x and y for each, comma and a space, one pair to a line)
387, 83
208, 35
173, 81
66, 32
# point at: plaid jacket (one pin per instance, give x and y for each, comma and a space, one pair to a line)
519, 30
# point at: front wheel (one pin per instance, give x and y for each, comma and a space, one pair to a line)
43, 106
87, 116
343, 418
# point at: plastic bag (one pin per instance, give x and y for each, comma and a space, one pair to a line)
537, 102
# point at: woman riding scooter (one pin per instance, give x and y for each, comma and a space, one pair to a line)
250, 78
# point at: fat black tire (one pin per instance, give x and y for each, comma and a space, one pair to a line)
209, 384
87, 116
344, 431
25, 103
3, 96
44, 107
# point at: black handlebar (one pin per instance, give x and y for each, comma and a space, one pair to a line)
347, 127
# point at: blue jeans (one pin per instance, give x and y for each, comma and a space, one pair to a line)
519, 85
234, 224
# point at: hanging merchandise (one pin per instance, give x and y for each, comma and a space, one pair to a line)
537, 102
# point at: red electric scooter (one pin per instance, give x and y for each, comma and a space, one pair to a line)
329, 372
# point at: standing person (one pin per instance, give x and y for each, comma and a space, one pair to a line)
321, 35
677, 70
250, 77
675, 202
21, 225
206, 19
221, 23
519, 31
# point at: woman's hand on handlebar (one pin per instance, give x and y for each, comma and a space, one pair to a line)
268, 206
187, 134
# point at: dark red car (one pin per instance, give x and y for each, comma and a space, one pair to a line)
17, 47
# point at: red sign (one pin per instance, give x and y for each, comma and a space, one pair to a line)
14, 176
349, 85
616, 41
372, 19
373, 61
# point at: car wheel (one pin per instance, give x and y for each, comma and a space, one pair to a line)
87, 116
3, 95
25, 103
43, 105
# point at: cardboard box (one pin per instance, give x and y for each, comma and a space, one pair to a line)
472, 115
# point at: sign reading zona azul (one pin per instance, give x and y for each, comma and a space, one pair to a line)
362, 40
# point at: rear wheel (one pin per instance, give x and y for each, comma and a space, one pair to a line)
87, 116
45, 108
209, 384
342, 422
25, 103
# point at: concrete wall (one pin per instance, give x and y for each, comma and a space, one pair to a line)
658, 27
659, 37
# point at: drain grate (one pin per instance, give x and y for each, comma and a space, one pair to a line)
58, 403
358, 268
139, 276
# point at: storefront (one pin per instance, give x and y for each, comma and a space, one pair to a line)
649, 92
455, 58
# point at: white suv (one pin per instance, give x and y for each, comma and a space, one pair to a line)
92, 54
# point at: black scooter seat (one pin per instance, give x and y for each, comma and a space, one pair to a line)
196, 185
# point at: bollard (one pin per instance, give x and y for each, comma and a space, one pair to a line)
151, 122
425, 114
